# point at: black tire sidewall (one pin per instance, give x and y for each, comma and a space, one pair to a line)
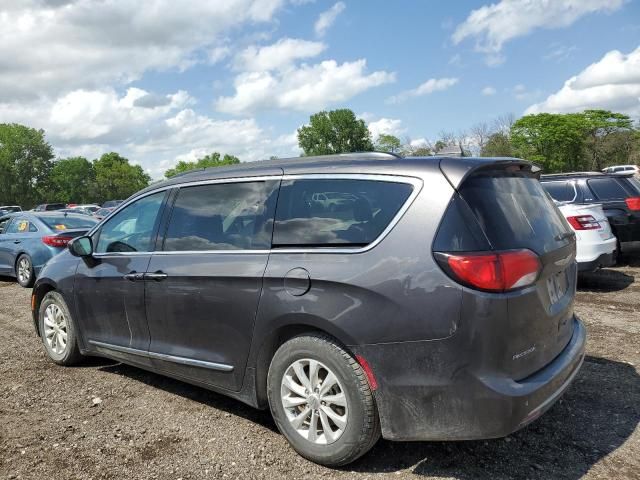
71, 353
31, 272
311, 347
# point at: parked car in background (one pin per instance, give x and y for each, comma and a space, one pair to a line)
4, 209
622, 169
28, 240
619, 195
436, 304
103, 212
112, 203
47, 207
595, 242
89, 209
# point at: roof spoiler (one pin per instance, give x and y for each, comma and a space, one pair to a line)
457, 170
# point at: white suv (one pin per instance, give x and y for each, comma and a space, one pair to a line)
622, 169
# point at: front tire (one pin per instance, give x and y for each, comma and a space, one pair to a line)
24, 271
321, 401
58, 330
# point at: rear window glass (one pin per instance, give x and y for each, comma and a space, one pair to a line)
607, 189
336, 212
67, 222
560, 191
515, 212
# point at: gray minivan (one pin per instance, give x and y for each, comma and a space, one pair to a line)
433, 301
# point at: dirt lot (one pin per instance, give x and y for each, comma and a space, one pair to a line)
147, 426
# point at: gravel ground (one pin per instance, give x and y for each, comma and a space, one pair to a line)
107, 420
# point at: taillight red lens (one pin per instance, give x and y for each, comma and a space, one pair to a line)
633, 203
56, 241
496, 272
583, 222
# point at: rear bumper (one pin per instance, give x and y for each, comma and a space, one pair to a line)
604, 260
458, 404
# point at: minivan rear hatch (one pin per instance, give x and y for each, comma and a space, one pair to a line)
507, 204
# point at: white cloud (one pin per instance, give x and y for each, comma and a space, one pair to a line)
326, 18
494, 25
50, 48
303, 88
150, 129
559, 53
426, 88
612, 83
420, 143
277, 56
488, 91
522, 93
386, 126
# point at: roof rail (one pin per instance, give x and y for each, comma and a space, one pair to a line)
573, 174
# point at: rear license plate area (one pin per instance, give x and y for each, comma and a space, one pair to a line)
557, 286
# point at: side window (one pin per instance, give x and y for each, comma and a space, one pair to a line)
346, 213
132, 228
4, 224
607, 189
32, 227
223, 216
560, 191
19, 225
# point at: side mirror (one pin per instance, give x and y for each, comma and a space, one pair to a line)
81, 247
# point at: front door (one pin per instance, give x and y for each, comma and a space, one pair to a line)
110, 287
203, 287
6, 246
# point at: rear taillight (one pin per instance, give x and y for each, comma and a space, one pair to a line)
633, 203
584, 222
494, 271
56, 241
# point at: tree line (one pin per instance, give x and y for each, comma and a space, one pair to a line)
589, 140
30, 175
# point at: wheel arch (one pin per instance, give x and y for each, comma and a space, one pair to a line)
38, 293
288, 327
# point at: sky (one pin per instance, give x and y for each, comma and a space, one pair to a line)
166, 80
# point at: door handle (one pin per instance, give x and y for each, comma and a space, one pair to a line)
134, 277
17, 241
157, 276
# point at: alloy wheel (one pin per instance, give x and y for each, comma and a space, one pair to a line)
24, 270
314, 401
55, 329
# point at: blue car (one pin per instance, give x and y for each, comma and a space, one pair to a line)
29, 239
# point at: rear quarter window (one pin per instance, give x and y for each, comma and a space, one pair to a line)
336, 212
515, 212
607, 189
560, 191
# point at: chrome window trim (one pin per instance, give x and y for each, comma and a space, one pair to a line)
416, 182
192, 362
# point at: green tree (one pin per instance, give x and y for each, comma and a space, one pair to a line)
72, 180
25, 163
555, 141
388, 143
116, 178
211, 160
601, 127
336, 131
497, 145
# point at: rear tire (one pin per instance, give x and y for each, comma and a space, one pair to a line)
58, 330
334, 420
24, 271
